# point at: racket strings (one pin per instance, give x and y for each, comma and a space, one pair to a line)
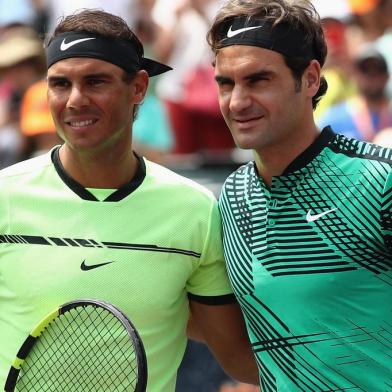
85, 349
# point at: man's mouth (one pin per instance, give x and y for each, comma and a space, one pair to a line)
81, 123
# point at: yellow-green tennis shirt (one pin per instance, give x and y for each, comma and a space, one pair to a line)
147, 248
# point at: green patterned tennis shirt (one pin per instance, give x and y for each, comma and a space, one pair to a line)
310, 261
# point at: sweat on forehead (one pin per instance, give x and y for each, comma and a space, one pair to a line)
282, 38
119, 52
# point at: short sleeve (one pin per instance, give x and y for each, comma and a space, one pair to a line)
209, 283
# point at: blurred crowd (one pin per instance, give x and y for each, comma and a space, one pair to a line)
359, 97
179, 120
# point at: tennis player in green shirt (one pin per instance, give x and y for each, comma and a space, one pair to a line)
92, 219
307, 224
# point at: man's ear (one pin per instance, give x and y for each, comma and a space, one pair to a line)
312, 76
140, 85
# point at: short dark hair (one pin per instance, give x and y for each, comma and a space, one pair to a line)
300, 15
98, 22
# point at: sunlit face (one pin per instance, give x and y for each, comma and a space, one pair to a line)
92, 105
259, 98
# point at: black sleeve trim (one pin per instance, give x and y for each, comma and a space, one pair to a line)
215, 300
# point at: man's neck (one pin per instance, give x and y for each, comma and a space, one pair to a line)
109, 171
272, 161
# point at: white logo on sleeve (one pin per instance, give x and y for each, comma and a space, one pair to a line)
312, 218
67, 45
232, 33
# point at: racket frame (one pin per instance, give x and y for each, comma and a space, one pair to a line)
28, 344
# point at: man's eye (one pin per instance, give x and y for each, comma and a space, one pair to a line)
258, 79
96, 82
59, 84
225, 85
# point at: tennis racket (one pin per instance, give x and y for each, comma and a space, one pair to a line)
82, 346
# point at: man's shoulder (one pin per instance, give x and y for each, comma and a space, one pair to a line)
26, 167
369, 153
166, 179
243, 174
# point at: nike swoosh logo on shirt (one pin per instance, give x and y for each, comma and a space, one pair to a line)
66, 45
85, 267
312, 218
232, 33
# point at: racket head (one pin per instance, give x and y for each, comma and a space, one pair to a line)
84, 345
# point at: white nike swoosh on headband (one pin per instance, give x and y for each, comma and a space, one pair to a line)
232, 33
65, 45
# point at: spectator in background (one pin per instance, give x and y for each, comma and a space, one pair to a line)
189, 91
370, 21
363, 115
384, 43
151, 131
152, 134
365, 23
21, 64
36, 122
335, 15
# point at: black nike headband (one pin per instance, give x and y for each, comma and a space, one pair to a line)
119, 52
282, 38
